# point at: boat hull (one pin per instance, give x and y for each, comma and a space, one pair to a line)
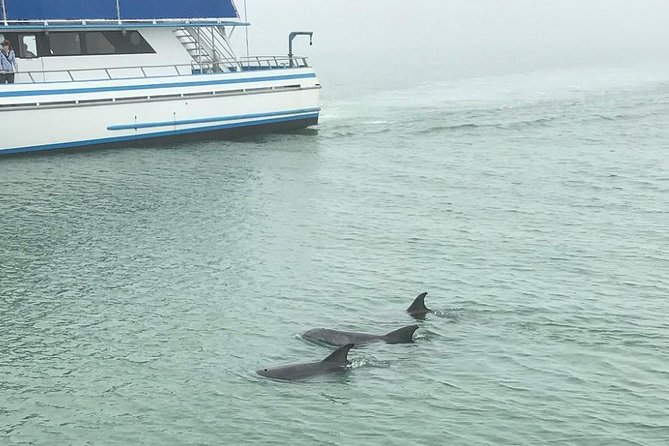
62, 116
230, 133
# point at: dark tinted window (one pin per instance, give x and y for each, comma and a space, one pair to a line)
97, 43
13, 39
131, 42
65, 44
71, 43
43, 45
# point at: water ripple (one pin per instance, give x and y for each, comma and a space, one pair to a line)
141, 287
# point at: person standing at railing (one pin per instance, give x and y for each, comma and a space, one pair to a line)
7, 63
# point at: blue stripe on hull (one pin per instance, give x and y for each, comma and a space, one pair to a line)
7, 94
168, 133
146, 125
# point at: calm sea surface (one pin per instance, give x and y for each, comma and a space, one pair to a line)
140, 288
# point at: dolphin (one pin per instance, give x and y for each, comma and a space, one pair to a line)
335, 337
336, 362
418, 309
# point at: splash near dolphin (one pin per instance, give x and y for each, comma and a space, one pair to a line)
336, 337
336, 362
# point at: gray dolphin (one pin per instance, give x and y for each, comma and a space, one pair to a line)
336, 362
336, 337
418, 309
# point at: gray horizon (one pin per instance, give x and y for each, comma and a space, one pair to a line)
481, 35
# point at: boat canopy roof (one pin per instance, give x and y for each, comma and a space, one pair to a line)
45, 14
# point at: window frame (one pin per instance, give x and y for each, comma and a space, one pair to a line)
79, 41
20, 54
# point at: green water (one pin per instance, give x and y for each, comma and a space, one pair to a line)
142, 287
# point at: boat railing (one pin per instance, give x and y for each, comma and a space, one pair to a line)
272, 62
151, 71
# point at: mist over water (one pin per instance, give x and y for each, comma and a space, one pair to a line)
142, 287
464, 38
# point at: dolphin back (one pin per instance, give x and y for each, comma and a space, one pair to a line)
402, 336
339, 338
294, 371
339, 356
418, 305
337, 361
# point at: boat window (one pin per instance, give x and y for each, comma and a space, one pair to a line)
28, 48
135, 39
97, 43
65, 44
13, 39
129, 42
74, 43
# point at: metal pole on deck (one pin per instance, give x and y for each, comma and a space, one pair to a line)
291, 36
214, 65
4, 12
199, 49
118, 11
246, 29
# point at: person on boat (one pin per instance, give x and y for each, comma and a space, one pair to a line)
26, 52
7, 63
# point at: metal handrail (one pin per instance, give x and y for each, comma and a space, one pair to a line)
254, 62
279, 61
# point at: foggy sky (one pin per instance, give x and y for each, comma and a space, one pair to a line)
505, 34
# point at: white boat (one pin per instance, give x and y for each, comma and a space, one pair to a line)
111, 71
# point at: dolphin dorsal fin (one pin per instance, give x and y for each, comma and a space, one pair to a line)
418, 305
402, 336
339, 356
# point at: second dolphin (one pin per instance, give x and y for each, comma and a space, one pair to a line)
338, 338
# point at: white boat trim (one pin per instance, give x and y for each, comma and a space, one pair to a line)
123, 88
